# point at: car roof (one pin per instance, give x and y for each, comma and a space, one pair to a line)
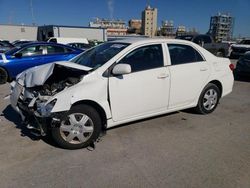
47, 43
150, 40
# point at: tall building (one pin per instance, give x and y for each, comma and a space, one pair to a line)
221, 27
149, 21
114, 27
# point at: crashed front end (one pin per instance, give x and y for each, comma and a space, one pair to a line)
33, 94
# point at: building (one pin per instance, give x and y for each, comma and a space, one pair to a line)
181, 30
149, 21
134, 26
17, 32
221, 27
114, 27
90, 33
167, 29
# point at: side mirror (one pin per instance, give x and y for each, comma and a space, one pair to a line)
18, 55
121, 69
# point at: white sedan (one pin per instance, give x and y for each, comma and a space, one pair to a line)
119, 82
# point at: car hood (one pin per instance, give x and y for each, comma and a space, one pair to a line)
36, 76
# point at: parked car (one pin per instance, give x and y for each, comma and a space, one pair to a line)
206, 41
21, 42
243, 65
17, 60
79, 45
119, 82
238, 50
5, 46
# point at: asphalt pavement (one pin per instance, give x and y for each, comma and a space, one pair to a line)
179, 150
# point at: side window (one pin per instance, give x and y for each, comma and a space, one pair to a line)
144, 58
181, 54
31, 51
55, 50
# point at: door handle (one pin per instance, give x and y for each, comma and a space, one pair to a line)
203, 69
162, 76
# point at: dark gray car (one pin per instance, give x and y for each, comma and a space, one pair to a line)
5, 46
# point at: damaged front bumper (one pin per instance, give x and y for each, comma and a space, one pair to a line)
35, 111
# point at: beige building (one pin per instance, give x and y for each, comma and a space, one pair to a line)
149, 21
114, 27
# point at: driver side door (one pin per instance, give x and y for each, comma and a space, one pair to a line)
145, 90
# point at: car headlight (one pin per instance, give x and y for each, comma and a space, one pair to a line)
45, 109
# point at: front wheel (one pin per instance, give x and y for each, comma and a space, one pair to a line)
3, 76
208, 99
79, 128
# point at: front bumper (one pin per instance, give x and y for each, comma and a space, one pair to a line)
27, 109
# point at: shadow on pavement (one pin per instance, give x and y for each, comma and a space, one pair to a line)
11, 115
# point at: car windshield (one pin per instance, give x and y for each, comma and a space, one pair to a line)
99, 55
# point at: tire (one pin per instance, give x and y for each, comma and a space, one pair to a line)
79, 128
3, 76
208, 99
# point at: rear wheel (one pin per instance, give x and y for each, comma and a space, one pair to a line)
3, 76
79, 128
208, 100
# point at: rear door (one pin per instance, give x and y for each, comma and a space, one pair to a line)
189, 72
57, 53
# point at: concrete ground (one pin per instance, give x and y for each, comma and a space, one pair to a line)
176, 150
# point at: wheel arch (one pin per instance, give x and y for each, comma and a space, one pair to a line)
8, 74
218, 84
97, 107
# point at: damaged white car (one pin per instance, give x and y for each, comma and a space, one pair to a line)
118, 82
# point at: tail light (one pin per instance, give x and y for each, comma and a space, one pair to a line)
231, 66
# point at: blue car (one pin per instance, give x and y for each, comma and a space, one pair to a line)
29, 55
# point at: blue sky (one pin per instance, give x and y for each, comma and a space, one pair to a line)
191, 13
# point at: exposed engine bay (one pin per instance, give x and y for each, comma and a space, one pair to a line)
61, 78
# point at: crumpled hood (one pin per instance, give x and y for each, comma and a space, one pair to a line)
37, 76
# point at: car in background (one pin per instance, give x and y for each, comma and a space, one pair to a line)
243, 66
206, 41
5, 46
238, 50
79, 45
21, 42
21, 58
119, 82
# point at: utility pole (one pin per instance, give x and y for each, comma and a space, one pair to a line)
32, 12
